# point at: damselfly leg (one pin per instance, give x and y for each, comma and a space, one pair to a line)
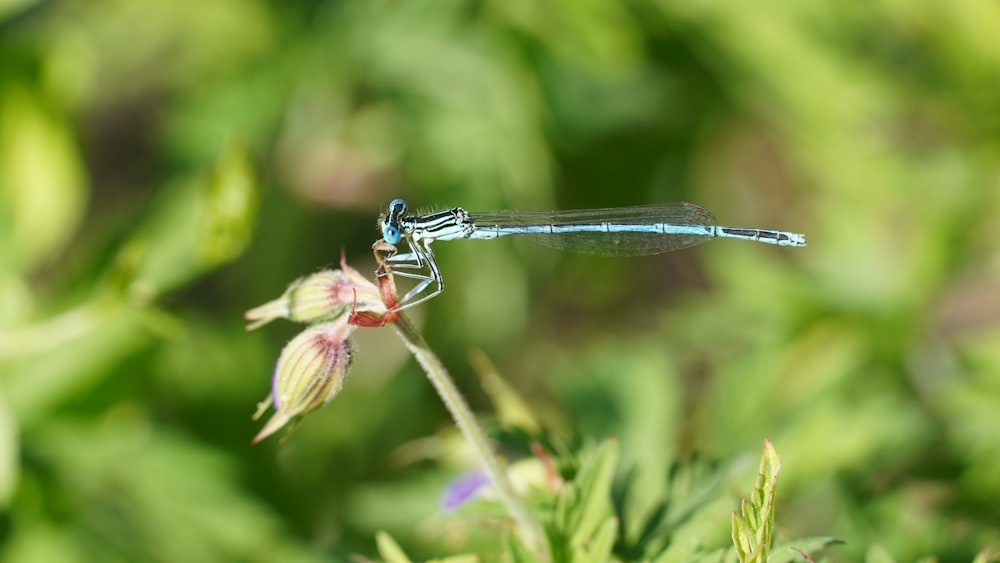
418, 264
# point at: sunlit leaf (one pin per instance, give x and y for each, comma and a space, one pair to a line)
516, 551
389, 549
9, 467
878, 554
42, 181
197, 225
593, 496
790, 551
752, 530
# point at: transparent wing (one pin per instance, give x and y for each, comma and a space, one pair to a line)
620, 231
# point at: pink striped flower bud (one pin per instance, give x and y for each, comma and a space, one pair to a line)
325, 296
313, 365
309, 373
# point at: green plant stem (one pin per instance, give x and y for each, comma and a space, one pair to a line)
529, 526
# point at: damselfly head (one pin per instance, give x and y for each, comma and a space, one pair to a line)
390, 223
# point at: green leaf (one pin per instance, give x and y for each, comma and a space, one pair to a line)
595, 480
515, 551
44, 541
42, 182
593, 486
68, 354
566, 507
598, 549
642, 411
11, 7
9, 456
230, 201
199, 225
741, 538
752, 531
389, 549
138, 488
790, 551
464, 558
704, 529
986, 557
720, 555
878, 554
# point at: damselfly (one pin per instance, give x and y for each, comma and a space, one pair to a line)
620, 231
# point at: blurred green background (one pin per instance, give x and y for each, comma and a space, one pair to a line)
165, 166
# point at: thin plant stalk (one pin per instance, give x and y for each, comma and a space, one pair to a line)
531, 529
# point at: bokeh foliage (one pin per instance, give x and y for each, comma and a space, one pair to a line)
166, 165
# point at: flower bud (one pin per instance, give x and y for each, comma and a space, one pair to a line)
309, 373
321, 297
314, 298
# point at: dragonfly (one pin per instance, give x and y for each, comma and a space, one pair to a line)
620, 231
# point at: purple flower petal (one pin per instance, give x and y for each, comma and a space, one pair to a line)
462, 488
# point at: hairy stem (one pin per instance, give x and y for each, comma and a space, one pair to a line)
530, 528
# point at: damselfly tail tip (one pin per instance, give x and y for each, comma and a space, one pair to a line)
794, 239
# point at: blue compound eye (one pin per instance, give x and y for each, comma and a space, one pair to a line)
390, 234
390, 225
